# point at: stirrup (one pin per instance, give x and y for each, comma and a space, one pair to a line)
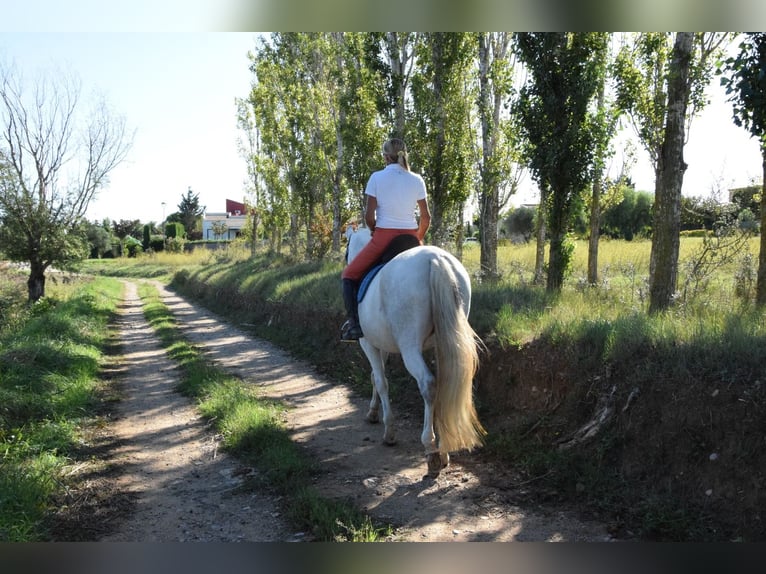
351, 332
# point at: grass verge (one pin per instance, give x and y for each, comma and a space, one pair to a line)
253, 432
49, 392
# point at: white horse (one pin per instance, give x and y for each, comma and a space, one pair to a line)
421, 299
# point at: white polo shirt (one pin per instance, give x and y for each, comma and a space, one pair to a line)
397, 192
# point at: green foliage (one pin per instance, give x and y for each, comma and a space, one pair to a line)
631, 217
147, 237
746, 84
175, 231
133, 246
125, 227
189, 213
520, 222
99, 239
745, 277
219, 229
175, 244
747, 198
442, 99
157, 243
640, 72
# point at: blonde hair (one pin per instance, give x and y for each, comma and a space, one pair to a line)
396, 150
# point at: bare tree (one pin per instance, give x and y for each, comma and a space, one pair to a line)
53, 162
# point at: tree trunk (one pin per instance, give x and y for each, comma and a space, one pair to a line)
398, 59
337, 191
540, 238
667, 207
760, 290
595, 224
488, 257
254, 240
439, 193
558, 260
36, 282
488, 200
595, 204
294, 232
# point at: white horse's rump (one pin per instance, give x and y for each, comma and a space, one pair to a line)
421, 299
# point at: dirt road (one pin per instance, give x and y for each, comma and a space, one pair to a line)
185, 487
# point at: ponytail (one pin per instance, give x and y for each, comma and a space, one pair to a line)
396, 150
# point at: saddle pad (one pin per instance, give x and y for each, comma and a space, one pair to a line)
366, 280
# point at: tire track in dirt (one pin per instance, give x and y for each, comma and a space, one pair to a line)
327, 419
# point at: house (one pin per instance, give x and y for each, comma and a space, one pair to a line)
234, 219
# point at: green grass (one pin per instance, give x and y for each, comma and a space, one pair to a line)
253, 431
49, 387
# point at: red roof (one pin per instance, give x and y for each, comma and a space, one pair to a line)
235, 207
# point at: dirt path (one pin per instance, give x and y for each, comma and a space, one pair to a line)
186, 488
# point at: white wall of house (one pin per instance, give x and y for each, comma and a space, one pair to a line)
234, 225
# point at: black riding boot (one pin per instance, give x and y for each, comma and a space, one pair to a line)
351, 331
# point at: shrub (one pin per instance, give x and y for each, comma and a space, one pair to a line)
157, 243
175, 230
133, 246
147, 237
175, 244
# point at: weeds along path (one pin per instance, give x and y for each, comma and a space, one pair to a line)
184, 488
469, 501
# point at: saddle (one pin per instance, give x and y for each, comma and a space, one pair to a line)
398, 244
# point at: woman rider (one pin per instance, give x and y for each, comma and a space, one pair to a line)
392, 193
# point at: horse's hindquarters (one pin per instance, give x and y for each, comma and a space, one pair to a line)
396, 311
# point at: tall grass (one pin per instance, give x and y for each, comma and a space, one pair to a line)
510, 312
50, 357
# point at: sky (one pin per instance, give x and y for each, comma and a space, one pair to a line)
177, 92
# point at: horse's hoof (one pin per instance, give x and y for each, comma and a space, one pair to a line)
373, 417
444, 459
389, 440
434, 464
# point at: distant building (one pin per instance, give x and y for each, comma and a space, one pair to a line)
234, 218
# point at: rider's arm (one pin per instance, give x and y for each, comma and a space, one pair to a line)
369, 213
425, 218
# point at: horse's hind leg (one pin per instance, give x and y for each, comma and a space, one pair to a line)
380, 398
417, 367
373, 415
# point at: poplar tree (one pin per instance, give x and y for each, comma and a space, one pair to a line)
564, 72
442, 101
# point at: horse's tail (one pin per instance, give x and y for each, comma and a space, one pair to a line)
457, 359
